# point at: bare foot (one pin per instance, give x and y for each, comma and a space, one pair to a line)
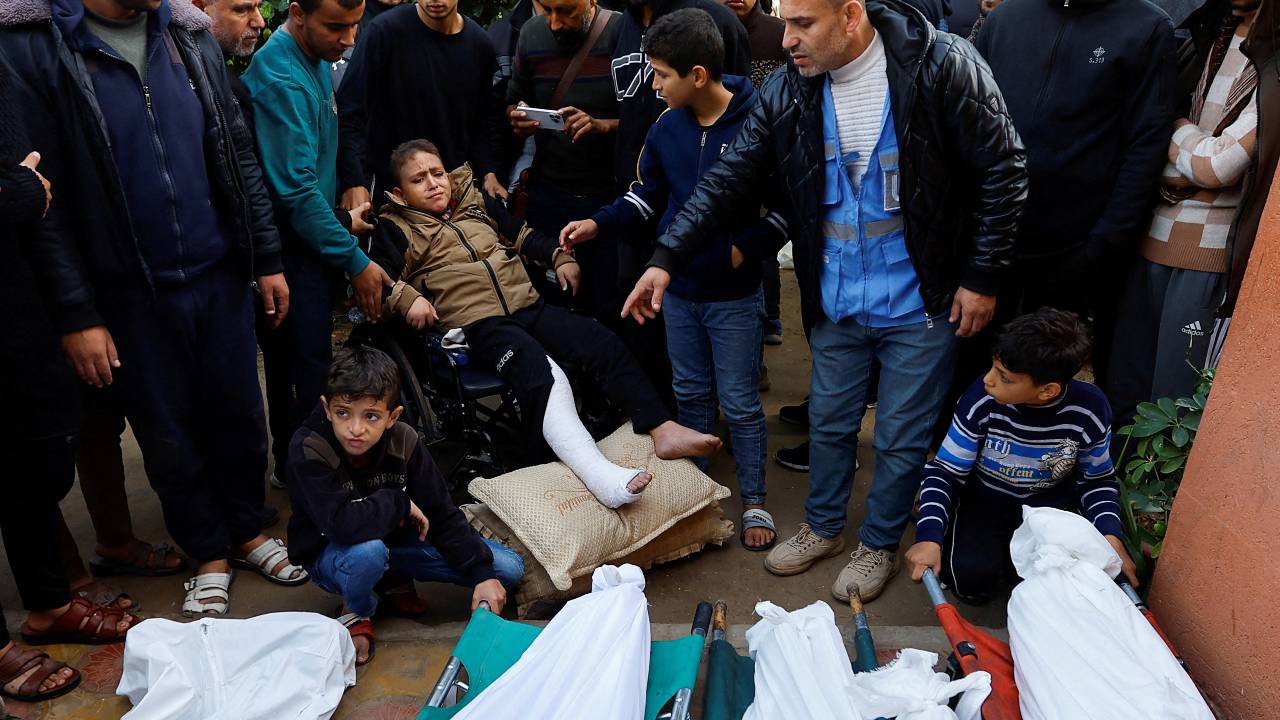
639, 482
672, 441
60, 677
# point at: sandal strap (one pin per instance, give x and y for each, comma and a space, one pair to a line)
270, 554
17, 661
89, 619
48, 666
209, 585
757, 518
156, 555
357, 625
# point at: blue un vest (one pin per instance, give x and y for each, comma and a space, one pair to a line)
866, 271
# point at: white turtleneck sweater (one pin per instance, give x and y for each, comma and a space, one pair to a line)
859, 89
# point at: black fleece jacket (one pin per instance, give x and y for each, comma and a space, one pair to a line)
333, 501
1090, 85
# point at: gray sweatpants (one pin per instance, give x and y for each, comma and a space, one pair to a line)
1166, 330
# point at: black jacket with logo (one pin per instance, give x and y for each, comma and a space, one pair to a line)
334, 501
1090, 85
963, 168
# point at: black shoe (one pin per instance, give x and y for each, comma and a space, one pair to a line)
797, 415
794, 458
270, 516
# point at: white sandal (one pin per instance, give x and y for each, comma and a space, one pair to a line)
208, 586
265, 557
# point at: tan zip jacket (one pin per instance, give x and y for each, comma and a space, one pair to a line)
463, 265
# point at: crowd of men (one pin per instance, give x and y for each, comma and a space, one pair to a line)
167, 218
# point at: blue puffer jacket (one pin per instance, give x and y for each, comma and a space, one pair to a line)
677, 151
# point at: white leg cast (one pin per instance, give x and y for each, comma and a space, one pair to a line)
571, 442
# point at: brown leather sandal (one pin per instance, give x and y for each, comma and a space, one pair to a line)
82, 624
18, 661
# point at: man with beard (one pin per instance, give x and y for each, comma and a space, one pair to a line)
420, 70
1178, 301
572, 173
237, 25
900, 241
149, 257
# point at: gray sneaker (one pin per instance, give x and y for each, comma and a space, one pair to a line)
800, 552
869, 570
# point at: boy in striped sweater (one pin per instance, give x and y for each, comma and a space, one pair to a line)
1026, 433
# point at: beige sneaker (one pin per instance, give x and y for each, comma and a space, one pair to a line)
869, 570
800, 552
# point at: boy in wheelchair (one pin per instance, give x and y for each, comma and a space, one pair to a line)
456, 254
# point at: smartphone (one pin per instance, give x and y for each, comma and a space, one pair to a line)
547, 119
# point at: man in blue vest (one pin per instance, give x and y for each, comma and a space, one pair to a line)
905, 179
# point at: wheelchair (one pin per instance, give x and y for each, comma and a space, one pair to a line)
448, 401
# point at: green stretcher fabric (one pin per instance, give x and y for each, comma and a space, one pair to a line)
731, 683
490, 645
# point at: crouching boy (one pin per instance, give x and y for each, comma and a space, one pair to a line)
367, 498
1026, 433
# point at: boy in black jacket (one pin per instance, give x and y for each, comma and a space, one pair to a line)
368, 498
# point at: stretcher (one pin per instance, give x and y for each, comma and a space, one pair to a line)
489, 645
973, 650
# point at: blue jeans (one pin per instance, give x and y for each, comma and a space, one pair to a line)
715, 352
352, 571
916, 363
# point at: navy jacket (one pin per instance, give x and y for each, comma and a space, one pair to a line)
155, 130
638, 103
1090, 87
121, 224
676, 152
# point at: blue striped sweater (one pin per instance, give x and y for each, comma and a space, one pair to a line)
1023, 450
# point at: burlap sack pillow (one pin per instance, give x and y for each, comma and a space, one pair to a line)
569, 532
538, 597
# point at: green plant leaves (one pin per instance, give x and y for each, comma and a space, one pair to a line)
1181, 436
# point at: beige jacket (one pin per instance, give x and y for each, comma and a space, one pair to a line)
463, 264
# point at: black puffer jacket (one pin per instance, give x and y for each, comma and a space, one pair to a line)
86, 250
964, 177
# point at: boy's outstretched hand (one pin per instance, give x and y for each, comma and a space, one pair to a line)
492, 592
418, 519
645, 301
577, 231
926, 554
1127, 567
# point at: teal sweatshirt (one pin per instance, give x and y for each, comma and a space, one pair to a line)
296, 118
